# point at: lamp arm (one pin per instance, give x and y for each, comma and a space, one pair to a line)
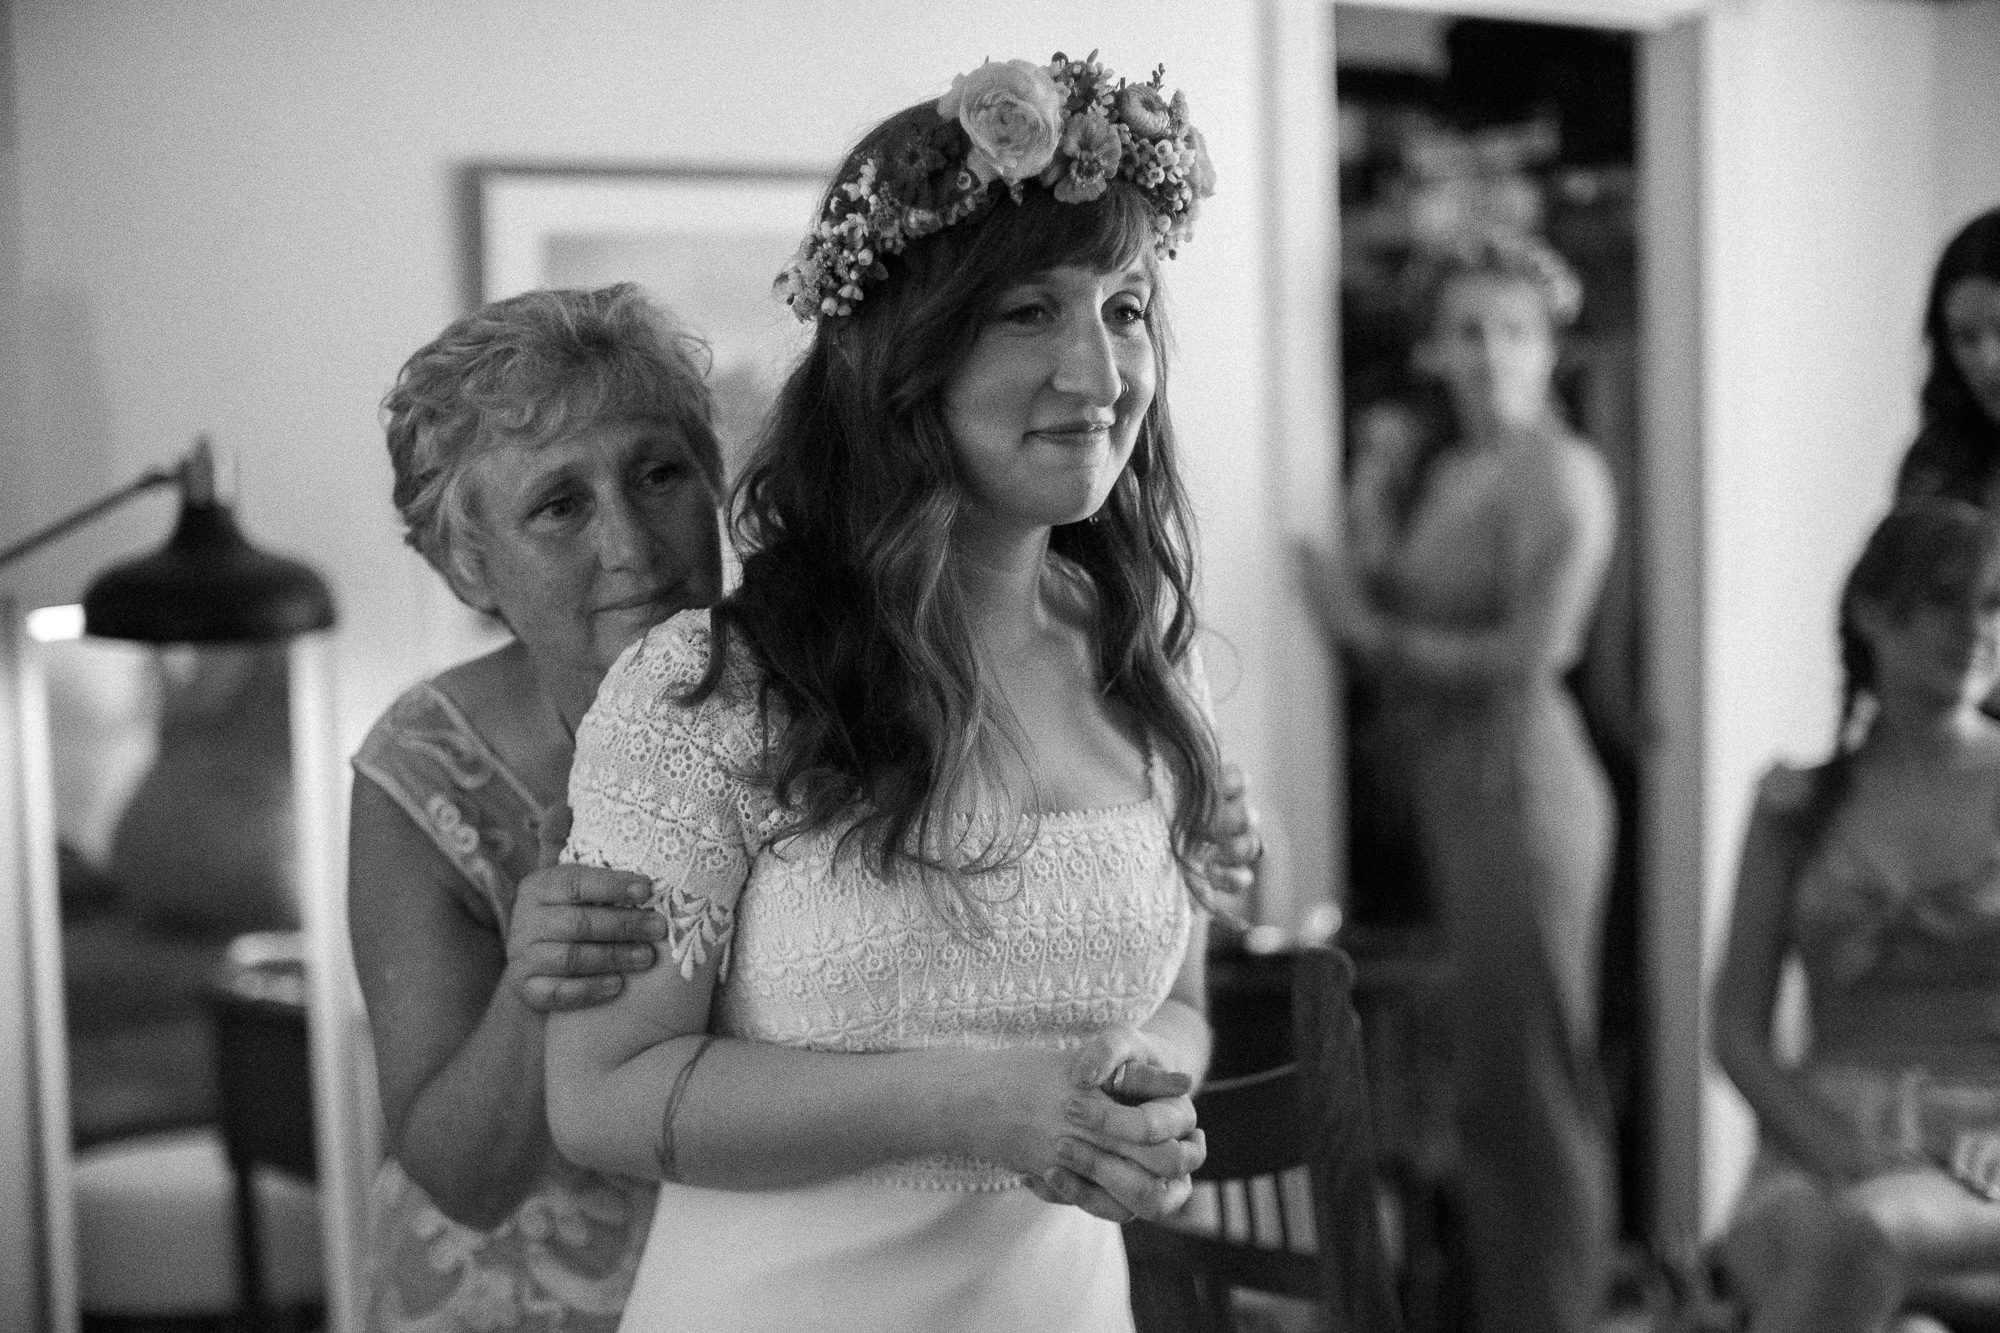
146, 482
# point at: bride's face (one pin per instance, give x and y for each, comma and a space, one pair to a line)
1972, 333
1046, 409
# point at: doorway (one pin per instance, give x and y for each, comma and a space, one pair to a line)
1588, 134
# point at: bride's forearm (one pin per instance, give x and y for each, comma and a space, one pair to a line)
759, 1116
753, 1115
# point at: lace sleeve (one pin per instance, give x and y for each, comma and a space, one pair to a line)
660, 787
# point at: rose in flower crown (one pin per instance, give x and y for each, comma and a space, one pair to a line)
1069, 126
1013, 114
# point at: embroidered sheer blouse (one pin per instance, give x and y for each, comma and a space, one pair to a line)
564, 1259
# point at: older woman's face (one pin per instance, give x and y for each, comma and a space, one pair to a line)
590, 540
1972, 332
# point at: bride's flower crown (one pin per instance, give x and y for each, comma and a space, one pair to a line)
1069, 125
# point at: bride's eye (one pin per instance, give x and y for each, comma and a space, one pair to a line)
1026, 314
1127, 312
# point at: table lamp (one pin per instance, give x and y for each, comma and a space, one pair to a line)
206, 585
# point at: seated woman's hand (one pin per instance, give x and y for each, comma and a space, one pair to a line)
577, 930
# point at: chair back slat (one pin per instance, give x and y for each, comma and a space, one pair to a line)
1319, 1243
1326, 1036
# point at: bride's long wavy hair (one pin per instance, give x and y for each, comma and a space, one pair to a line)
853, 606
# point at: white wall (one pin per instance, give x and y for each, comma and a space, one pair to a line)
20, 1275
1968, 111
1832, 138
1401, 39
238, 216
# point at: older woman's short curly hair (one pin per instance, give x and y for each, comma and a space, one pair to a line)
1505, 256
531, 368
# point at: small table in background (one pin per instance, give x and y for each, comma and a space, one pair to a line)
264, 1075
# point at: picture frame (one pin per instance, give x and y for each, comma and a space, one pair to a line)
704, 242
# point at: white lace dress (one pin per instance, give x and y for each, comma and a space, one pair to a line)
1090, 930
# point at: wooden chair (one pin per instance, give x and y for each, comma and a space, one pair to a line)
1290, 1169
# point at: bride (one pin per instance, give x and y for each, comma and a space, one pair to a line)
929, 802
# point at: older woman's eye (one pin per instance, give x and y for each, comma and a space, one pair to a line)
558, 508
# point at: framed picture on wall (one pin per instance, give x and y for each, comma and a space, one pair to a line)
704, 242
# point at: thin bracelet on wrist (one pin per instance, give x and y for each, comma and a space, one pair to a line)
670, 1167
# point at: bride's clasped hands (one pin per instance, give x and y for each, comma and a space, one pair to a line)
1124, 1142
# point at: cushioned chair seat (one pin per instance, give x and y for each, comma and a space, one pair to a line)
156, 1228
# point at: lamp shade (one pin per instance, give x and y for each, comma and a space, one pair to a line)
207, 585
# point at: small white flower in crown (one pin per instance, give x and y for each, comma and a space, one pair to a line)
1070, 126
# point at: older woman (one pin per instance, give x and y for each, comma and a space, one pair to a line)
554, 461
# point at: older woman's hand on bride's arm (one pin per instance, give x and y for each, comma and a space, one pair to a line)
577, 931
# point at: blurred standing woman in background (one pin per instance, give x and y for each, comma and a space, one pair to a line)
1469, 616
554, 461
930, 800
1957, 450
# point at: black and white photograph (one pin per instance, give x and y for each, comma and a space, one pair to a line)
1117, 666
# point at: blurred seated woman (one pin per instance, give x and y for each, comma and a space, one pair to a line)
1879, 871
554, 461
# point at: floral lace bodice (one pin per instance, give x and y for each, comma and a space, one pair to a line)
1087, 929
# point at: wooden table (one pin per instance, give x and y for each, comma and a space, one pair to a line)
264, 1075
